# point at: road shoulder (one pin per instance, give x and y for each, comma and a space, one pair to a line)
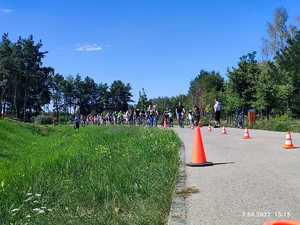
178, 210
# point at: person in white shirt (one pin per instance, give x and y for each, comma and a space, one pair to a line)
191, 119
217, 109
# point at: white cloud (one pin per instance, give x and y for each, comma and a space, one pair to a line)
6, 11
89, 48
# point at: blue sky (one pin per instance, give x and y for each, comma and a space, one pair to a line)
156, 45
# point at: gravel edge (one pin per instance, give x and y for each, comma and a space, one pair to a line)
178, 210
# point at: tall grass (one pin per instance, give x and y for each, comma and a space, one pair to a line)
111, 175
278, 123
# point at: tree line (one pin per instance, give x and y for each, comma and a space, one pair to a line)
27, 87
271, 85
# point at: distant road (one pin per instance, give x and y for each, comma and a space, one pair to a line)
262, 183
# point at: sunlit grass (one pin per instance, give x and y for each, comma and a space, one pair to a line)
111, 175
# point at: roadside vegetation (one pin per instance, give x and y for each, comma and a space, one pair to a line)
267, 82
109, 175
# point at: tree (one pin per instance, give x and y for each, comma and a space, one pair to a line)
278, 33
204, 89
103, 96
87, 96
288, 61
68, 89
26, 86
170, 103
32, 74
5, 70
57, 83
120, 96
16, 86
143, 100
266, 98
243, 79
230, 99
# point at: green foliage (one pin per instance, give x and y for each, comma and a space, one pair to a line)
278, 33
26, 86
110, 175
143, 100
276, 124
282, 118
204, 89
230, 99
120, 96
266, 86
243, 79
289, 63
170, 103
23, 80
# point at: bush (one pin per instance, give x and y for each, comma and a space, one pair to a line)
205, 121
278, 123
282, 118
43, 119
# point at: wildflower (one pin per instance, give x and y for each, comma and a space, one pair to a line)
15, 210
29, 194
28, 216
28, 199
38, 195
41, 211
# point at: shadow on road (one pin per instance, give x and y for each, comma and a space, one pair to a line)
222, 163
207, 164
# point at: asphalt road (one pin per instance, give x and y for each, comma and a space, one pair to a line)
260, 182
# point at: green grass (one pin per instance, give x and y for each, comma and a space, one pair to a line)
279, 123
109, 175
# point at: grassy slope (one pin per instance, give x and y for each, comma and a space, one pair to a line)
94, 176
278, 125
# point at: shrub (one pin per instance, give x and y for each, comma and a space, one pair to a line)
281, 118
278, 123
43, 119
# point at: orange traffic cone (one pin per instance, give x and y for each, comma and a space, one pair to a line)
198, 155
283, 222
246, 134
224, 131
209, 128
288, 144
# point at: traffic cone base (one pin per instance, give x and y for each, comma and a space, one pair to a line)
199, 164
246, 139
288, 144
224, 131
246, 135
283, 222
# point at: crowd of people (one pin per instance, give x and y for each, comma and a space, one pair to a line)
148, 118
